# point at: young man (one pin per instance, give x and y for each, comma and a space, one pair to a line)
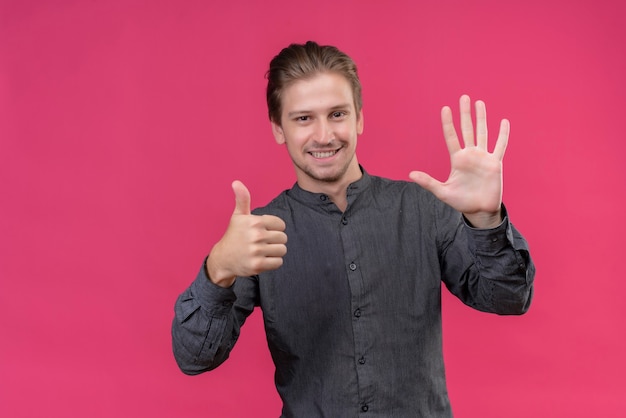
352, 310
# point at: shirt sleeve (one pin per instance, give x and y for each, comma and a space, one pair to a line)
207, 321
488, 269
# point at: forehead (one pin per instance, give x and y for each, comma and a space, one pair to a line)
321, 92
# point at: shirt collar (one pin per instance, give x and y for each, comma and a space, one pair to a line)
320, 199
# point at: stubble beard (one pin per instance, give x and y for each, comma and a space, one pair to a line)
328, 178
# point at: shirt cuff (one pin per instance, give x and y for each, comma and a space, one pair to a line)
210, 296
492, 239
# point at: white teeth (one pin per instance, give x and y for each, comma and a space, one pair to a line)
323, 154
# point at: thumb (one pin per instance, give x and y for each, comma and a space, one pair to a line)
426, 181
242, 198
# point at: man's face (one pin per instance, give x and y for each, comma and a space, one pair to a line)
319, 126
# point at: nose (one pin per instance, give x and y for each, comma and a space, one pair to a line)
323, 132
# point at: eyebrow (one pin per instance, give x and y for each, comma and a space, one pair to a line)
306, 112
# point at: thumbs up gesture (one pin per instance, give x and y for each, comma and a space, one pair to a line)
251, 244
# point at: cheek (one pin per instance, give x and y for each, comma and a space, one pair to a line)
346, 133
301, 135
295, 140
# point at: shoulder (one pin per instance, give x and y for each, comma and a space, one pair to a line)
382, 186
276, 206
406, 194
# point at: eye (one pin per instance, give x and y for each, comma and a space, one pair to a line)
338, 114
303, 118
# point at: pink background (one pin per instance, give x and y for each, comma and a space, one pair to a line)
123, 123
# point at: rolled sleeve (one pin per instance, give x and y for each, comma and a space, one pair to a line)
202, 313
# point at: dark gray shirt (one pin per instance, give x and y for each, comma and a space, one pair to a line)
353, 317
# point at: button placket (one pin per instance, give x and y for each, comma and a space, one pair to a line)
360, 321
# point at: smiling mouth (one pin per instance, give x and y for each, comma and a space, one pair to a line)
323, 154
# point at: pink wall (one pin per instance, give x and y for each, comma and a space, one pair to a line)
123, 123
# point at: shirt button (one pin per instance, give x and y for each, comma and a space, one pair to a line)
362, 360
352, 266
365, 408
323, 198
357, 313
344, 220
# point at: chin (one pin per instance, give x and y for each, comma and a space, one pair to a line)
328, 176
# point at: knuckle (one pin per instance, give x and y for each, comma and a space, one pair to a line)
256, 235
256, 265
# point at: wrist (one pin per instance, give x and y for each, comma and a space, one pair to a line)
216, 275
484, 220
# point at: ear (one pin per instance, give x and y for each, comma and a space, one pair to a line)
359, 122
279, 135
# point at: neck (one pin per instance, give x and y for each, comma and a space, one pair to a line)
336, 190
